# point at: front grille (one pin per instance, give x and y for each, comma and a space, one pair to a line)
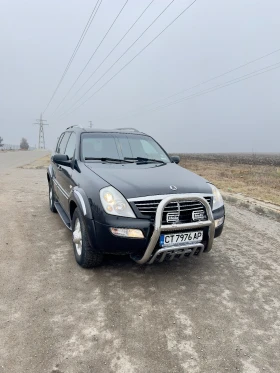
149, 208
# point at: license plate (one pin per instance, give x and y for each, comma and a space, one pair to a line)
180, 238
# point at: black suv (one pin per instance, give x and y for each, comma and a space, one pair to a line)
119, 192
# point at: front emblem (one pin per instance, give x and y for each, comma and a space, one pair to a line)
173, 187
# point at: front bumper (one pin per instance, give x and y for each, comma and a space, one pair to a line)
147, 250
108, 243
150, 256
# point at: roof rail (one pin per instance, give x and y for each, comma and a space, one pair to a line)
127, 129
75, 125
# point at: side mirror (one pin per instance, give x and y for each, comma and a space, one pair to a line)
62, 159
175, 159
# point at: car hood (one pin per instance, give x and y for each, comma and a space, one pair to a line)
140, 180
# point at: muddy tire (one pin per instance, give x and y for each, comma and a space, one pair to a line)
85, 256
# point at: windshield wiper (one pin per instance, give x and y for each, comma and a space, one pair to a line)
104, 159
143, 160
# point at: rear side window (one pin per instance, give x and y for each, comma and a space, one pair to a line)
63, 142
71, 146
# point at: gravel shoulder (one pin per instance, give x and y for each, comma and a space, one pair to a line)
218, 313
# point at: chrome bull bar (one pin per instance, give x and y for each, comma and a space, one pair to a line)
174, 250
180, 251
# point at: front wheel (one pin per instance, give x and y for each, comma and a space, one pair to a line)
85, 256
51, 198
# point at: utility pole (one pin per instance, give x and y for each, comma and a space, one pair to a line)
41, 124
90, 124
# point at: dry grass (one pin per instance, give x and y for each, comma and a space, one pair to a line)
39, 163
257, 181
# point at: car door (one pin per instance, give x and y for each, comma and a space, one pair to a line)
55, 167
65, 173
62, 197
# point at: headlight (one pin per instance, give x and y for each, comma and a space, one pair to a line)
114, 203
218, 199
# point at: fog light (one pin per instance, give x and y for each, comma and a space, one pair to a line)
219, 222
124, 232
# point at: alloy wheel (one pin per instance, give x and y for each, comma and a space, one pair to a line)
77, 237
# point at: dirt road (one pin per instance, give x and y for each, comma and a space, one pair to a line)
14, 159
216, 314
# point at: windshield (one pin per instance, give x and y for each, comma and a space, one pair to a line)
96, 146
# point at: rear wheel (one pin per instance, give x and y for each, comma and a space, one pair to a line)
51, 198
85, 256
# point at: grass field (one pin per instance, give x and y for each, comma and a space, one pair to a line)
254, 175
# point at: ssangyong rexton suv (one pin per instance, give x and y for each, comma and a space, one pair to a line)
119, 192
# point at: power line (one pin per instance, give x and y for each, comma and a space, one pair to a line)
112, 50
206, 81
89, 22
91, 57
219, 86
122, 54
147, 45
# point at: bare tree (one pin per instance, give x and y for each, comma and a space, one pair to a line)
24, 144
1, 142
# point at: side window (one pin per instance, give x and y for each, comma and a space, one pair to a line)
58, 143
63, 142
71, 146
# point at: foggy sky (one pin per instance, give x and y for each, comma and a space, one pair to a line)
38, 37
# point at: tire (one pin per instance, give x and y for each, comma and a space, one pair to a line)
85, 256
52, 198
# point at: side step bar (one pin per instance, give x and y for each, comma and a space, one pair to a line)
63, 216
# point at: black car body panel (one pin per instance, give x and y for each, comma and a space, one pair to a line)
79, 186
139, 180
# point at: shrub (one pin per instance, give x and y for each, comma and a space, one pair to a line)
24, 144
